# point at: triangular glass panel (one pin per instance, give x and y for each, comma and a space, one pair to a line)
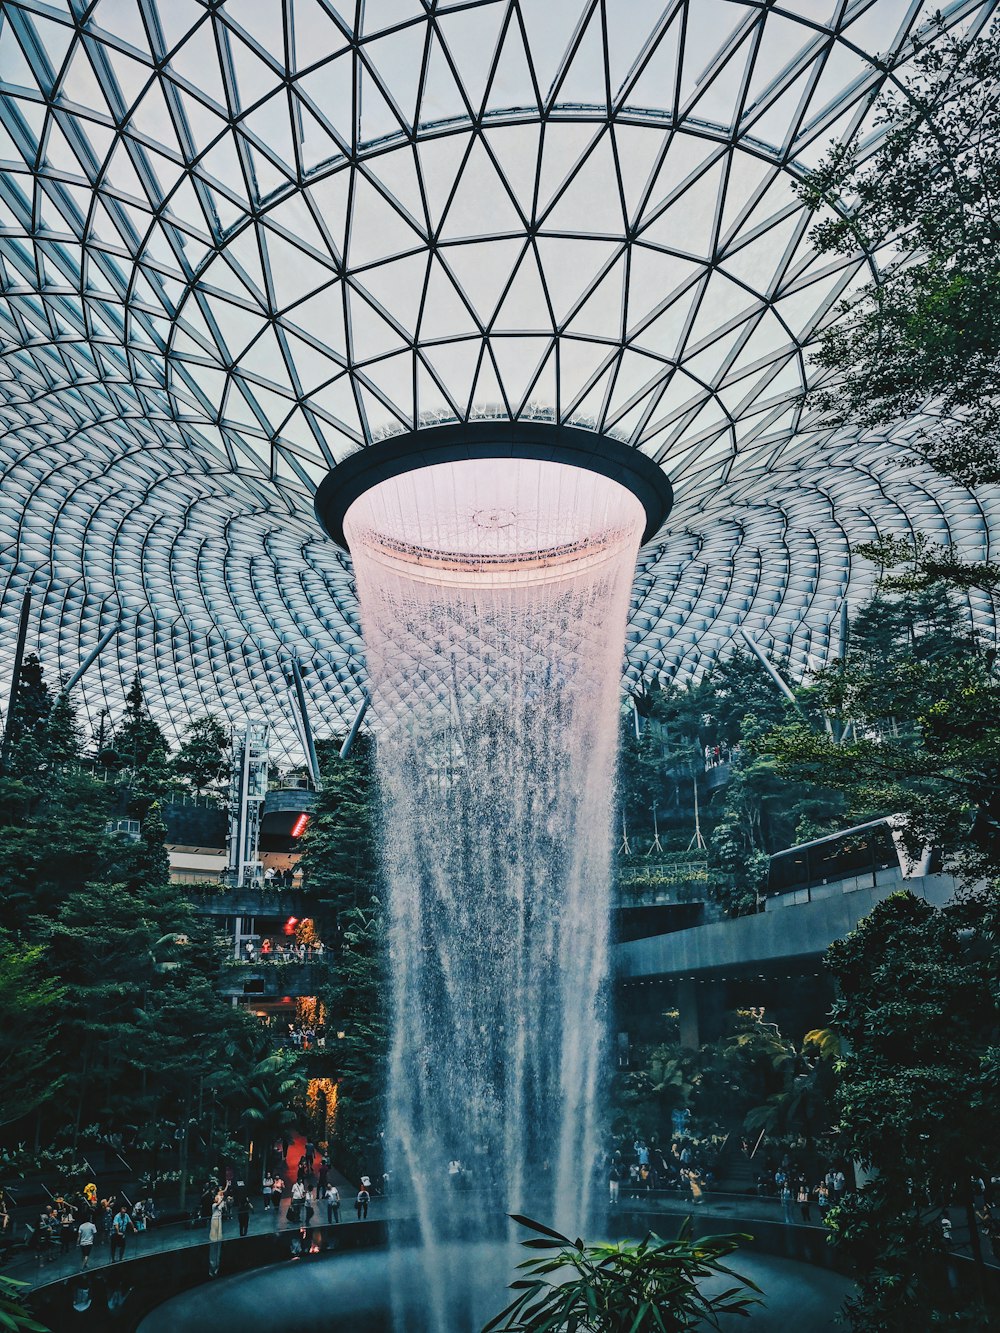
655, 87
371, 335
583, 82
337, 401
398, 60
511, 85
317, 34
689, 225
579, 361
483, 269
256, 78
455, 364
329, 199
432, 402
444, 314
601, 314
441, 97
654, 275
481, 205
321, 317
515, 148
331, 91
550, 30
398, 287
524, 306
313, 366
440, 160
396, 172
471, 36
376, 116
377, 229
591, 202
487, 397
570, 268
638, 150
518, 360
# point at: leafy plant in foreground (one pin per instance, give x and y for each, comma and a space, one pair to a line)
13, 1315
649, 1286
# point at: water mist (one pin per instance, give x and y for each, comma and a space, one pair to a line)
494, 595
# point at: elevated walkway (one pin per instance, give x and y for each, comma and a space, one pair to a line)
803, 930
270, 980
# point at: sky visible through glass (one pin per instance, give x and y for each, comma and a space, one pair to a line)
240, 241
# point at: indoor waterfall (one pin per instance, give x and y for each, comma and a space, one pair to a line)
494, 595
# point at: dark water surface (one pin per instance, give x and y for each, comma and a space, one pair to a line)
355, 1292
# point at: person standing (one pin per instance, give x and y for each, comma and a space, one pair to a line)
332, 1197
361, 1203
803, 1200
268, 1188
215, 1233
614, 1180
695, 1185
787, 1200
121, 1225
277, 1190
85, 1238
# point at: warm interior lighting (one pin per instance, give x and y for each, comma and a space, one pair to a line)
299, 827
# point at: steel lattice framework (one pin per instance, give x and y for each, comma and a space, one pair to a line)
240, 239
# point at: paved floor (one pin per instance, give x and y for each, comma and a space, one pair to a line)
351, 1291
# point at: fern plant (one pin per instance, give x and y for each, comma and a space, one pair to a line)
649, 1286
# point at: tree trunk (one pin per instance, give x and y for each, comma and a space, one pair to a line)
977, 1249
184, 1146
83, 1091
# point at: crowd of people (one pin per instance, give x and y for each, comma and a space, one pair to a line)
305, 1037
85, 1223
279, 879
687, 1166
720, 754
280, 951
89, 1224
789, 1184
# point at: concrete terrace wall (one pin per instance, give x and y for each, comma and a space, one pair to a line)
802, 930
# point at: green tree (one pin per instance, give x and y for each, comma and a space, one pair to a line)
918, 1016
273, 1088
141, 751
920, 698
340, 869
764, 808
26, 725
926, 329
202, 757
647, 1287
30, 1029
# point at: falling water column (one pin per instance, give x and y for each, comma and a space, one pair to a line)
494, 595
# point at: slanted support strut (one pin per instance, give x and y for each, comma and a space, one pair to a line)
15, 677
762, 658
359, 717
307, 735
91, 657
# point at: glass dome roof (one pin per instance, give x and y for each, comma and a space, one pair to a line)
241, 240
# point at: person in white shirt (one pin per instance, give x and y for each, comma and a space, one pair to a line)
85, 1239
332, 1197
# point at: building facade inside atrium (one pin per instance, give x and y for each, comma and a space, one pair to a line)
435, 382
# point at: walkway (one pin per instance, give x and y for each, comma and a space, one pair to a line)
736, 1209
177, 1235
